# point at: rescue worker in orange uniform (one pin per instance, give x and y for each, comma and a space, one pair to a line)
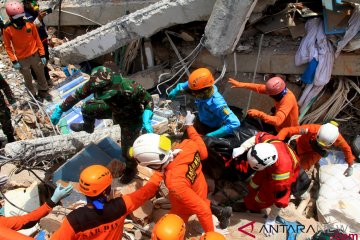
286, 107
103, 218
277, 167
314, 142
183, 174
24, 48
29, 220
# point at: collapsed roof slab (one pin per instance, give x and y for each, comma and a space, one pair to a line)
226, 25
142, 23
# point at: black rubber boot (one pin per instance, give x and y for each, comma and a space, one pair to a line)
10, 138
45, 95
78, 127
128, 175
223, 214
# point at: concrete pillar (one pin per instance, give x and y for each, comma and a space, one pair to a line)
142, 23
226, 25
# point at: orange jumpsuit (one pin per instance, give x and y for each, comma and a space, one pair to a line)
22, 43
273, 184
186, 182
27, 220
287, 110
308, 156
91, 224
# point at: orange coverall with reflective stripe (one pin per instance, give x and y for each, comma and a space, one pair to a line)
287, 110
308, 156
272, 185
22, 43
108, 225
186, 182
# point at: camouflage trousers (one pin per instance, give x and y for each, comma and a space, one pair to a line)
130, 127
5, 118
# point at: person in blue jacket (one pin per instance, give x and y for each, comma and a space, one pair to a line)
214, 116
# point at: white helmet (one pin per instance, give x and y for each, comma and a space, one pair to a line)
327, 134
262, 155
152, 150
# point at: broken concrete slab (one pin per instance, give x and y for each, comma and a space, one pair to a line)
226, 25
142, 23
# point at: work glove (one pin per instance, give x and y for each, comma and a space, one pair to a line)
173, 93
238, 151
146, 117
254, 113
56, 115
221, 132
43, 60
236, 84
189, 119
61, 193
349, 171
17, 66
3, 180
269, 227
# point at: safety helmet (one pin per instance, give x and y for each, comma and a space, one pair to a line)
169, 227
261, 156
212, 236
94, 180
327, 134
14, 9
275, 86
201, 78
151, 150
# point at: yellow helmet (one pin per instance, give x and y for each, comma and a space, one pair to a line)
169, 227
212, 236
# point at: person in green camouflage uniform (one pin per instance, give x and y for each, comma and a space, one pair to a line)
5, 115
123, 100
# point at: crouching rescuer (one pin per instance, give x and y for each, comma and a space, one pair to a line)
184, 178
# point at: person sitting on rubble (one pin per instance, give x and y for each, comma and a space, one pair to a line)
123, 100
25, 50
29, 220
5, 114
286, 107
315, 141
34, 15
102, 217
183, 174
277, 168
214, 116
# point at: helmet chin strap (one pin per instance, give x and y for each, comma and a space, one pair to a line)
172, 154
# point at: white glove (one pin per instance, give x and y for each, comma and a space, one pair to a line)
189, 119
3, 180
269, 227
237, 152
222, 231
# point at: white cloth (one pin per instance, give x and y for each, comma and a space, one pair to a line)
352, 30
315, 45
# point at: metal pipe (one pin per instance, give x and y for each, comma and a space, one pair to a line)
177, 53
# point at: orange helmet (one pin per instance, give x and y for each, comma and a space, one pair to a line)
94, 180
169, 227
275, 86
201, 78
212, 236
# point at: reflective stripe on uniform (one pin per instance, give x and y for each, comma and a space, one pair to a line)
257, 199
253, 185
282, 176
294, 157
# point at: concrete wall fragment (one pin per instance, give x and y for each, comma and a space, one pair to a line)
226, 25
142, 23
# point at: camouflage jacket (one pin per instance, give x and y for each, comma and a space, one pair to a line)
124, 96
4, 86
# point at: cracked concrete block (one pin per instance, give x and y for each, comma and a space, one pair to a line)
142, 23
226, 25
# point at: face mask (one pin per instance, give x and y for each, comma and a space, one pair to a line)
202, 93
279, 96
18, 23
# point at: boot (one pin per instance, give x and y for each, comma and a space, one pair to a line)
45, 95
128, 175
10, 138
78, 127
223, 214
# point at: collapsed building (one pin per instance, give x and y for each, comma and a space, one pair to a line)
157, 43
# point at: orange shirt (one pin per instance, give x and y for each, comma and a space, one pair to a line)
287, 110
87, 223
20, 222
22, 43
307, 155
